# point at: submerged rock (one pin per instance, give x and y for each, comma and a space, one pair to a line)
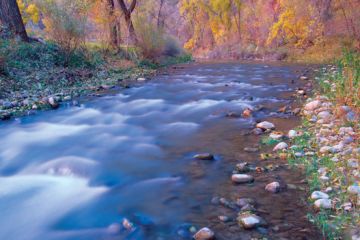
204, 156
242, 202
251, 149
204, 234
242, 178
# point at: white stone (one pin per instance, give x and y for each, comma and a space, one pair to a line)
265, 125
319, 195
276, 135
292, 134
324, 115
354, 189
249, 221
280, 146
323, 204
204, 234
325, 149
141, 79
311, 106
242, 178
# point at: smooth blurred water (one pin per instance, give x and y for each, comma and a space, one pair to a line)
71, 173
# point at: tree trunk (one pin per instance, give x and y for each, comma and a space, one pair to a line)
160, 21
10, 16
127, 15
113, 30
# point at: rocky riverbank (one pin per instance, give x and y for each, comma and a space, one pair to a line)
326, 147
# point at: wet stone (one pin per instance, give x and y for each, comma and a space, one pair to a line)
250, 221
251, 149
241, 202
273, 187
242, 178
204, 156
242, 167
265, 125
204, 234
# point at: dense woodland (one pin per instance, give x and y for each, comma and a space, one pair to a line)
208, 28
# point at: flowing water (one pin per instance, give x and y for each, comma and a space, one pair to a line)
76, 172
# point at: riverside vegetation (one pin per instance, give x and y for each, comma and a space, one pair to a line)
326, 147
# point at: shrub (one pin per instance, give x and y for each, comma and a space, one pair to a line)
151, 41
65, 22
172, 47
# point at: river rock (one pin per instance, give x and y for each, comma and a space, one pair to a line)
325, 115
265, 125
323, 204
243, 167
4, 115
325, 149
292, 134
319, 195
141, 79
276, 135
280, 146
249, 221
304, 78
242, 202
204, 156
251, 149
354, 189
204, 234
296, 111
257, 131
273, 187
53, 103
311, 106
232, 115
242, 178
114, 228
127, 224
224, 218
247, 113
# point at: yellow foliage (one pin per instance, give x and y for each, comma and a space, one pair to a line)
29, 12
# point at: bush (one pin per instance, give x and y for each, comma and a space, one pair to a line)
172, 47
65, 22
151, 41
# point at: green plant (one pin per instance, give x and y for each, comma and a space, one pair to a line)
65, 23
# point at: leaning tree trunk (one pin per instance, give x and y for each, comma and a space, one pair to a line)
127, 15
10, 16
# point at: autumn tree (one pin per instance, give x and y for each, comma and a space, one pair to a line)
10, 16
127, 11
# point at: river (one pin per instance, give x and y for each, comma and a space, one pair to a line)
77, 172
